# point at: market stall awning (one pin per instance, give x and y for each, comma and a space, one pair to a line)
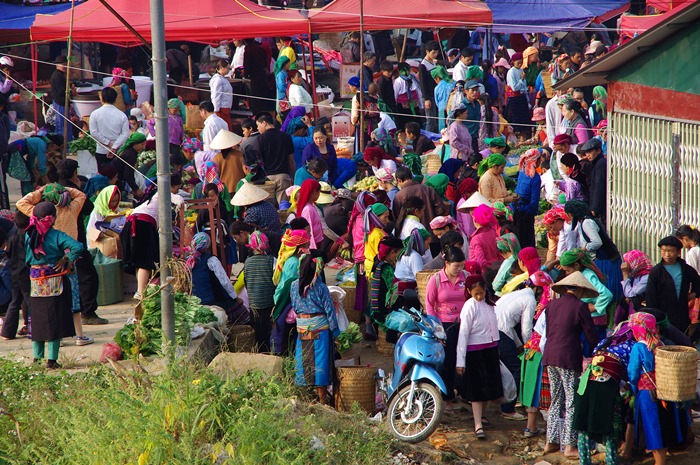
205, 21
16, 20
521, 16
344, 15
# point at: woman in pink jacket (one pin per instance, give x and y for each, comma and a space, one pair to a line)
446, 305
357, 241
482, 244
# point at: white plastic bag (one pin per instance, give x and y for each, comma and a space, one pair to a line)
338, 295
510, 390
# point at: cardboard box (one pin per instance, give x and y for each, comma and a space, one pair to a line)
107, 241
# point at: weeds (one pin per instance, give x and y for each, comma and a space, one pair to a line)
186, 415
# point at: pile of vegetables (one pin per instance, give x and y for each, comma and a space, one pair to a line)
83, 143
349, 337
366, 184
145, 336
145, 157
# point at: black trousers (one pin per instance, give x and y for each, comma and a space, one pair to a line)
508, 354
525, 225
20, 295
449, 370
88, 283
261, 320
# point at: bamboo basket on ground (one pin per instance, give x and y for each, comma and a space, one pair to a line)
433, 163
356, 384
349, 305
241, 338
383, 347
422, 278
676, 373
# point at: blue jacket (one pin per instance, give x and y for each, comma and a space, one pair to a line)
528, 189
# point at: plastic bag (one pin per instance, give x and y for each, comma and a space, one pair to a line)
345, 275
510, 391
338, 296
401, 321
110, 350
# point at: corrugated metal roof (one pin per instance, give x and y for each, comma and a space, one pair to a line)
598, 72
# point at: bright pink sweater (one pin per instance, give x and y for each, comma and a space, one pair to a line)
482, 247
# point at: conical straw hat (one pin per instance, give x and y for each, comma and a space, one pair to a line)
224, 140
474, 201
248, 194
576, 279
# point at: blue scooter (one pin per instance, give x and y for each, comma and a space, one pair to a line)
414, 393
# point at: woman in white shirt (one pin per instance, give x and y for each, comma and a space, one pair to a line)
222, 92
411, 259
106, 204
298, 96
477, 351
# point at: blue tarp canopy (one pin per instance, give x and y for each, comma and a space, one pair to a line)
521, 16
15, 20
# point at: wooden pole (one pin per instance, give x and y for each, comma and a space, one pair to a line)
313, 76
361, 144
126, 24
189, 66
403, 47
66, 102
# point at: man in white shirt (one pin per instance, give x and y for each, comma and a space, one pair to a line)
212, 123
109, 126
553, 117
466, 58
222, 92
514, 309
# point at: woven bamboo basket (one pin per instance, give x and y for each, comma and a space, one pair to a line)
433, 163
383, 347
676, 373
356, 384
268, 187
422, 278
283, 214
241, 339
349, 305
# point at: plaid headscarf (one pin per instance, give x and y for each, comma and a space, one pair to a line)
210, 175
554, 214
415, 241
54, 193
258, 242
174, 103
192, 144
200, 243
508, 243
640, 264
528, 162
292, 239
117, 75
382, 137
501, 210
643, 326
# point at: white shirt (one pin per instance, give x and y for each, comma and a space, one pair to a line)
221, 92
513, 308
553, 119
214, 265
459, 72
151, 208
237, 61
568, 240
692, 258
478, 325
298, 96
408, 267
387, 165
212, 125
109, 126
409, 224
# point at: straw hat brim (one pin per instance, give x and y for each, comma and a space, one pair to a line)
474, 201
248, 194
225, 139
325, 199
576, 279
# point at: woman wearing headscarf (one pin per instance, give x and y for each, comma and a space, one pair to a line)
294, 243
443, 88
482, 244
282, 82
438, 182
411, 260
209, 174
50, 254
594, 239
491, 182
321, 147
375, 219
598, 110
458, 134
574, 184
453, 168
322, 237
383, 290
576, 122
296, 112
635, 268
408, 95
125, 98
317, 327
529, 263
356, 238
517, 110
509, 248
125, 164
189, 147
666, 424
381, 138
377, 158
106, 204
579, 260
210, 282
527, 204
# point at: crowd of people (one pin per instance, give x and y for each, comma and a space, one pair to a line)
285, 210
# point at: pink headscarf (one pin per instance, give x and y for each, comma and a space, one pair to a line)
210, 175
528, 162
643, 326
640, 264
117, 75
483, 215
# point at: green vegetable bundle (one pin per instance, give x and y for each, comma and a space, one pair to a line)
84, 143
348, 337
145, 157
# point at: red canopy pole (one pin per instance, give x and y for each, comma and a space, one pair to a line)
35, 75
313, 73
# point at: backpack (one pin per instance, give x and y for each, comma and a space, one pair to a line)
608, 251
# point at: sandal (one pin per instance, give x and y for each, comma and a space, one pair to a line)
24, 331
480, 433
549, 448
486, 423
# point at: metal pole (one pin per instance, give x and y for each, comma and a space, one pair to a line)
313, 75
165, 232
66, 102
361, 144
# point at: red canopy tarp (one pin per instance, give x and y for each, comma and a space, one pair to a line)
344, 15
205, 21
630, 25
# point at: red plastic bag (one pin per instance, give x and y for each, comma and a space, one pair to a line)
112, 351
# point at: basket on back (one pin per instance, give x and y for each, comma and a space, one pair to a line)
422, 278
676, 373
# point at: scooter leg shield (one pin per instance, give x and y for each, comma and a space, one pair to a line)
428, 373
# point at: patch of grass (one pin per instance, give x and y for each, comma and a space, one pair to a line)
185, 415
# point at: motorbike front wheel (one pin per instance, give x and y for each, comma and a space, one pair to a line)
416, 422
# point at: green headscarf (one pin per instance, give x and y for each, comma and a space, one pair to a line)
412, 160
601, 96
379, 209
440, 72
474, 72
495, 159
103, 199
135, 138
508, 243
570, 257
174, 103
279, 64
53, 193
438, 182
